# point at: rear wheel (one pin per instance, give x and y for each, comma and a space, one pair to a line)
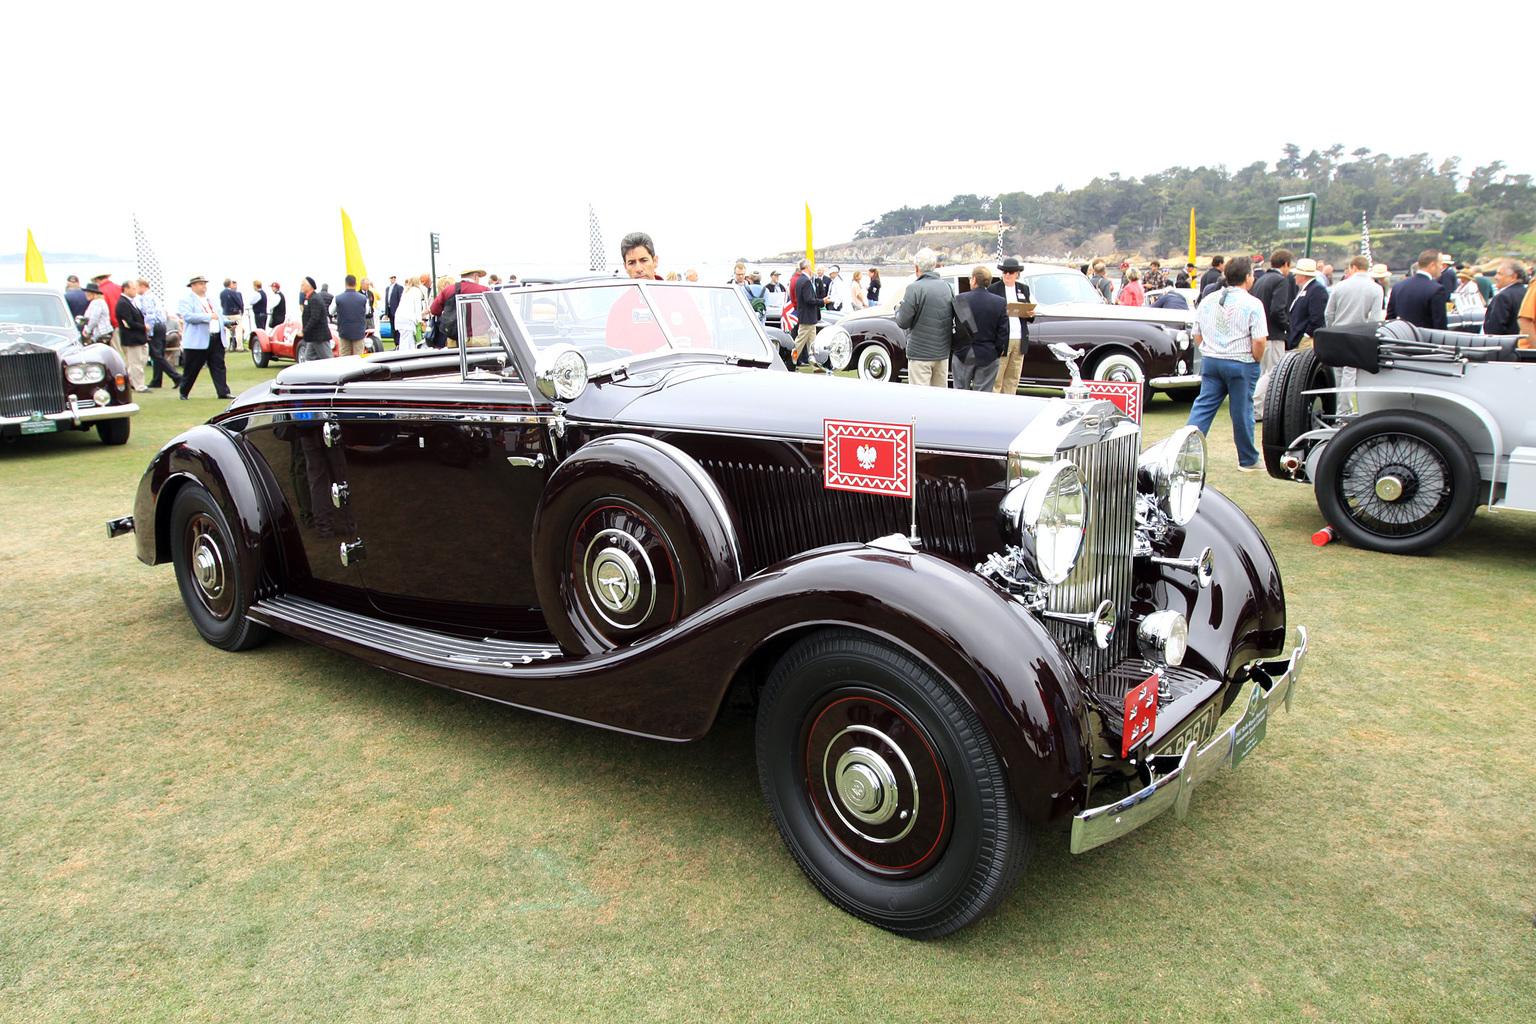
1399, 482
885, 786
208, 572
1273, 440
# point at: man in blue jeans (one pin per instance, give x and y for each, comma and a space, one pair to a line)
1232, 330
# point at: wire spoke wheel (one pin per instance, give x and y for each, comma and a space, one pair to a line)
1396, 484
1400, 482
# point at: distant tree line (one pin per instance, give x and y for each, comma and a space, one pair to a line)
1236, 209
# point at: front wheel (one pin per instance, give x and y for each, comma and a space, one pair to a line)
885, 786
260, 356
208, 572
874, 363
114, 431
1399, 482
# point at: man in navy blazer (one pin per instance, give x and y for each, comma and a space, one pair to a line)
1309, 306
974, 365
1419, 298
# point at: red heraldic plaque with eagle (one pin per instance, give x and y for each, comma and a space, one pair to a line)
875, 458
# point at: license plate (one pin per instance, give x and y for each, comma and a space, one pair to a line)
38, 425
1197, 730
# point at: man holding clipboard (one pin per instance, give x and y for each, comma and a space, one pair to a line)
1020, 311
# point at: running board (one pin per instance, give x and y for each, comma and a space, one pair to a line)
311, 620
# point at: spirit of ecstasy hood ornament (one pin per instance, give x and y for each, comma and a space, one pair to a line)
1069, 355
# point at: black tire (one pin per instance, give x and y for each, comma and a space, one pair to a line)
1294, 412
631, 536
949, 843
259, 355
114, 431
208, 572
1272, 429
1427, 463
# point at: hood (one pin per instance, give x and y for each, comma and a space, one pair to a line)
1178, 319
793, 405
27, 337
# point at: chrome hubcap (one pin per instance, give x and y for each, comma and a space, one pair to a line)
615, 580
620, 578
1389, 488
866, 785
869, 787
208, 568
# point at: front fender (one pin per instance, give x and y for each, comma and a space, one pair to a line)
224, 464
999, 658
1241, 615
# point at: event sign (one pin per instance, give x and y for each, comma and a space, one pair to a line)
1125, 394
875, 458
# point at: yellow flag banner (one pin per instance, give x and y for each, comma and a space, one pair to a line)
354, 254
35, 272
1191, 234
810, 249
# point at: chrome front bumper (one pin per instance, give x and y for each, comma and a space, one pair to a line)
77, 413
1183, 380
1274, 681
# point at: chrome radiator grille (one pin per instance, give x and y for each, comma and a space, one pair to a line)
30, 382
1103, 570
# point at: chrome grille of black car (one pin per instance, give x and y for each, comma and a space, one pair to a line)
1103, 570
30, 382
783, 511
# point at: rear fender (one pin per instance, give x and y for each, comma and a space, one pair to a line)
226, 466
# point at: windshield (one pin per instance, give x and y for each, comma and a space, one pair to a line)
42, 309
614, 322
1049, 288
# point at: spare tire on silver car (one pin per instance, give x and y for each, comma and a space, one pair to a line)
1289, 411
631, 536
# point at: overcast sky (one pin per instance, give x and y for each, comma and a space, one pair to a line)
237, 132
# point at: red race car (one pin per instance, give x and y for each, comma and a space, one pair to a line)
281, 342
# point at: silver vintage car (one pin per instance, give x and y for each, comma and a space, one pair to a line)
1444, 425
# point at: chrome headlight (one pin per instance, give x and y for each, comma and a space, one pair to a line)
85, 373
1182, 337
1045, 518
1163, 636
839, 346
1173, 473
561, 372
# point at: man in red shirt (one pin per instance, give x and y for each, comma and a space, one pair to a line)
448, 326
631, 324
110, 293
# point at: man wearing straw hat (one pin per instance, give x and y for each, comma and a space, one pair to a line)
200, 339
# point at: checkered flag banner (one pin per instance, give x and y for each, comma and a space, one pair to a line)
599, 255
1365, 237
149, 264
999, 229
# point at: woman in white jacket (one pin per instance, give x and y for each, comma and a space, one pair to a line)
413, 303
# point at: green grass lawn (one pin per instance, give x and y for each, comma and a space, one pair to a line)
286, 834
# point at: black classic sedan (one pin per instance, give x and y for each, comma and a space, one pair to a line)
966, 618
1152, 347
50, 379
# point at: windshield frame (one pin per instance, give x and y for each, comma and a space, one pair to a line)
517, 338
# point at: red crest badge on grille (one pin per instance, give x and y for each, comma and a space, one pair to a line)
875, 458
1126, 395
1140, 714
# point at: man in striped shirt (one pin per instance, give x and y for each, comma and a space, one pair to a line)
1232, 330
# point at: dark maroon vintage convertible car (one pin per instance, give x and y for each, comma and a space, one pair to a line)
608, 504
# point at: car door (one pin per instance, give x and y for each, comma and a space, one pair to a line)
444, 472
